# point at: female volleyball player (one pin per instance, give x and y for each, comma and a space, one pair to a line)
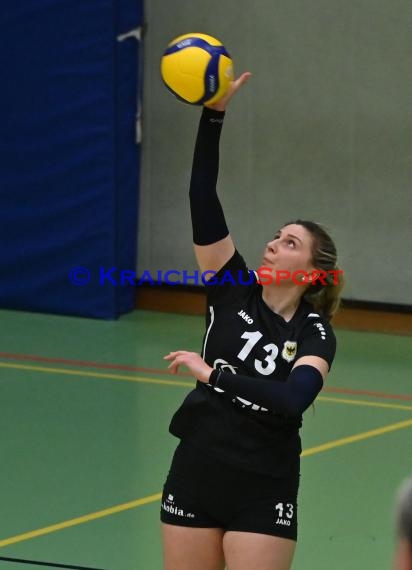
231, 493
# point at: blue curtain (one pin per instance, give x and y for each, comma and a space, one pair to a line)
70, 155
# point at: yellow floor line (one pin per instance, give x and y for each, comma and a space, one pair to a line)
157, 496
70, 372
358, 437
144, 380
364, 403
80, 520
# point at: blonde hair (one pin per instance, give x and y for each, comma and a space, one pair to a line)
324, 298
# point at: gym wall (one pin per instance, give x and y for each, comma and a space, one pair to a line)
322, 131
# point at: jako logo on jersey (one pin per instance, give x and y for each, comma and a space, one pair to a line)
246, 317
284, 522
289, 350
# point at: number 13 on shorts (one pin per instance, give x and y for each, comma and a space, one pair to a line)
288, 510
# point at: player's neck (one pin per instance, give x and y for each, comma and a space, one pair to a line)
283, 302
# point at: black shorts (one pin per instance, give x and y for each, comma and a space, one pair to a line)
202, 492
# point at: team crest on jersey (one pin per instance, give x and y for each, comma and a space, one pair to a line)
289, 350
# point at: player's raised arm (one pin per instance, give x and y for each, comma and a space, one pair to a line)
212, 242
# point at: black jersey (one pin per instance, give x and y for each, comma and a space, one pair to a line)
244, 336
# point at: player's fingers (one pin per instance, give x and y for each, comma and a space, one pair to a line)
169, 356
244, 78
173, 367
234, 86
174, 354
180, 358
240, 81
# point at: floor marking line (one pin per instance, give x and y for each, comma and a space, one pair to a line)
370, 393
68, 372
358, 437
130, 368
48, 564
180, 383
87, 364
152, 498
364, 403
142, 379
79, 520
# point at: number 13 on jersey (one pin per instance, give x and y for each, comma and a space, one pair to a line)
268, 365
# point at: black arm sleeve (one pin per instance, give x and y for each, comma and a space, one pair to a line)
208, 220
292, 397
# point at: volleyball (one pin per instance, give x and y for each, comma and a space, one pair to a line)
197, 69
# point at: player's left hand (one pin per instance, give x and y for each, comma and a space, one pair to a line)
193, 361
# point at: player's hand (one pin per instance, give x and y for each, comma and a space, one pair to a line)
234, 86
193, 361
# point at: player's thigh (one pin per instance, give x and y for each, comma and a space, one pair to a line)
190, 548
245, 550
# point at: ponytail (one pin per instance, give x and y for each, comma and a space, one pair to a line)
326, 299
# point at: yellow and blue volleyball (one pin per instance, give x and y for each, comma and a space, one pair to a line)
197, 69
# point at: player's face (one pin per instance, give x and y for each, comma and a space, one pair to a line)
289, 250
